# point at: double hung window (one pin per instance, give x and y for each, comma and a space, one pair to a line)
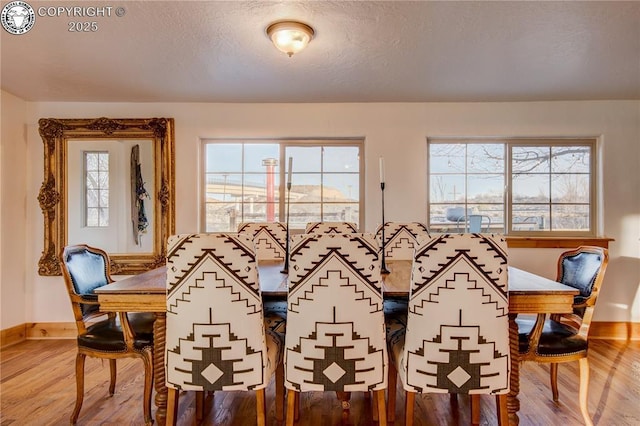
513, 186
246, 181
96, 188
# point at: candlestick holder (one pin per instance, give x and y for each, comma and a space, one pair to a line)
285, 270
383, 265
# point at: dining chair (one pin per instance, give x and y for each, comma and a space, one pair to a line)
105, 335
564, 337
331, 228
216, 339
270, 239
400, 238
335, 338
455, 336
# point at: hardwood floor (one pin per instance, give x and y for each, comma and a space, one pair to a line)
37, 387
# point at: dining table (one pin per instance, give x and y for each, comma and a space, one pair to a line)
528, 294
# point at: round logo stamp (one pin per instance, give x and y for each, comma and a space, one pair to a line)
17, 17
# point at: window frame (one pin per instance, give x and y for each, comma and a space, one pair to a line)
283, 143
509, 143
99, 189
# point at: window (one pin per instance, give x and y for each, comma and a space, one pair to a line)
96, 188
513, 186
245, 182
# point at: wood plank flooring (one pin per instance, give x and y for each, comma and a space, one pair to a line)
37, 387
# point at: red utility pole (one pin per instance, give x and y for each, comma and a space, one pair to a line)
271, 164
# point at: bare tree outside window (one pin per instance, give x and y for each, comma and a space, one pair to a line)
514, 186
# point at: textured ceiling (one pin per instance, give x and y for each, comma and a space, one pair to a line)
364, 51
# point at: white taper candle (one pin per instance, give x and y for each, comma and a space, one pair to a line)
381, 170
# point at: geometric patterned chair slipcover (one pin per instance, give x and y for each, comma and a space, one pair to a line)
335, 338
215, 336
401, 238
269, 238
104, 334
455, 338
564, 337
331, 228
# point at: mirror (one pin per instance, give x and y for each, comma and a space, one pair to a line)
108, 183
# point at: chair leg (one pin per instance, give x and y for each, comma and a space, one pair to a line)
503, 414
261, 409
79, 387
553, 375
392, 390
199, 406
381, 407
408, 409
475, 408
374, 406
291, 406
296, 415
172, 406
584, 390
147, 360
112, 383
280, 393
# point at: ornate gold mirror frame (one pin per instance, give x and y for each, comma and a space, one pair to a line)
56, 134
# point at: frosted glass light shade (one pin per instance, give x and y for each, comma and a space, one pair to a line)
290, 36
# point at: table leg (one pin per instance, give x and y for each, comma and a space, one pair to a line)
513, 404
345, 400
159, 335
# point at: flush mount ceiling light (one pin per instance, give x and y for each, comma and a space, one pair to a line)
290, 36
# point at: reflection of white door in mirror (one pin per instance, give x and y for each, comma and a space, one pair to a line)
114, 233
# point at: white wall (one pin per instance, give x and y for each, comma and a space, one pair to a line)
396, 131
13, 191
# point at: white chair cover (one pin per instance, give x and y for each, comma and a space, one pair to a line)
401, 238
456, 338
335, 337
216, 338
331, 228
270, 238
